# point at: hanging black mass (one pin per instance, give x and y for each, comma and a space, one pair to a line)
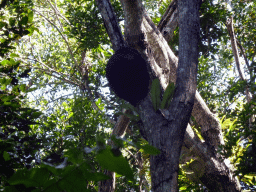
128, 76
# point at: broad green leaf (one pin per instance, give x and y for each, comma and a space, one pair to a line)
6, 156
2, 24
12, 21
30, 16
167, 97
23, 87
35, 177
5, 62
150, 149
24, 20
117, 164
14, 55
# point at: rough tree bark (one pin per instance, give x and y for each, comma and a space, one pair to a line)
168, 137
164, 63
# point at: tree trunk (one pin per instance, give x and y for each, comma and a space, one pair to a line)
168, 137
164, 64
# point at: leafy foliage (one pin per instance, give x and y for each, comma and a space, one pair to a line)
167, 96
157, 102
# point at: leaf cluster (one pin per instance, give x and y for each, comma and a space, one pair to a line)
156, 95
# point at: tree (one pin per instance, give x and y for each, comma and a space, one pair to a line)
212, 140
168, 137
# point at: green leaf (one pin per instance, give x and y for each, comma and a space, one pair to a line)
35, 177
3, 81
39, 176
183, 188
5, 62
53, 170
23, 87
151, 150
12, 62
74, 155
24, 20
6, 156
116, 164
12, 21
2, 24
30, 17
10, 189
92, 176
36, 114
14, 55
155, 93
73, 180
3, 87
167, 97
